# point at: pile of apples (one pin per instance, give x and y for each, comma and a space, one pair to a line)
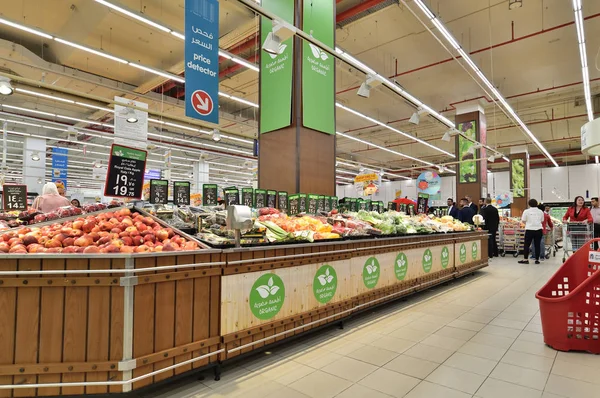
118, 232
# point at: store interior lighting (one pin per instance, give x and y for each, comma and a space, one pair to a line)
5, 87
35, 156
514, 4
365, 88
216, 135
280, 33
130, 115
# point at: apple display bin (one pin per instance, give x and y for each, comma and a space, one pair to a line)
114, 323
570, 303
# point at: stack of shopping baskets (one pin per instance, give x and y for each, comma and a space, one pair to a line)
511, 239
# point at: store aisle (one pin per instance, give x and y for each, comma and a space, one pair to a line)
480, 337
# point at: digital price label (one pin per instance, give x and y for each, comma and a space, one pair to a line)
125, 176
313, 204
248, 197
303, 203
181, 193
321, 203
271, 199
260, 198
14, 197
232, 196
209, 194
159, 192
294, 203
282, 202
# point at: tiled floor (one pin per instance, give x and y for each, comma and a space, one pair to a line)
479, 337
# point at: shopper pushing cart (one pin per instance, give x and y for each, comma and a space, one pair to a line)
578, 227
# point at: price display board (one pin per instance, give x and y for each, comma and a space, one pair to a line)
327, 204
181, 193
159, 192
294, 202
313, 204
353, 204
209, 194
260, 198
368, 206
391, 206
422, 202
334, 202
381, 206
302, 207
248, 197
362, 204
282, 202
321, 203
232, 196
411, 210
271, 199
14, 197
125, 177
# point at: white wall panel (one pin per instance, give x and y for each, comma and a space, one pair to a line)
555, 184
501, 183
535, 184
583, 178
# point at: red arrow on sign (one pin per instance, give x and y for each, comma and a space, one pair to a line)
202, 102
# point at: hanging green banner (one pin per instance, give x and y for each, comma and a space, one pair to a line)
318, 67
276, 71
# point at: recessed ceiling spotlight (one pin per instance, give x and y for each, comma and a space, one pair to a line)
35, 156
216, 135
5, 87
514, 4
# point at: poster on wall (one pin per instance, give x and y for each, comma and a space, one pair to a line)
430, 183
60, 163
517, 177
367, 184
467, 170
504, 199
276, 71
131, 125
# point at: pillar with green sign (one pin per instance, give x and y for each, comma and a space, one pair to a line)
297, 101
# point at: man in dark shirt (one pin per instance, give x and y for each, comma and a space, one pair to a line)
492, 220
466, 213
471, 204
452, 208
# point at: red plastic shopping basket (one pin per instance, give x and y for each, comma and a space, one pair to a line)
570, 303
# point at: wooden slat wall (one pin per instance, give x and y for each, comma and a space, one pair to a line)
184, 304
143, 321
117, 312
164, 320
8, 308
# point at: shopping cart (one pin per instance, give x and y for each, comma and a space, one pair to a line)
570, 303
575, 235
550, 243
510, 240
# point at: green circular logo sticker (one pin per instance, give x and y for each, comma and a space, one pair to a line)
463, 253
401, 266
325, 284
267, 296
371, 272
445, 257
474, 249
427, 261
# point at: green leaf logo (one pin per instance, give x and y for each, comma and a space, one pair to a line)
317, 52
463, 253
427, 261
474, 250
445, 257
401, 266
371, 272
267, 296
325, 284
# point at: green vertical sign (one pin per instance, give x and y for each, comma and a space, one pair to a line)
276, 71
318, 67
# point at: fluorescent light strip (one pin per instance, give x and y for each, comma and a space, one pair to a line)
134, 15
577, 9
392, 129
344, 178
20, 90
90, 50
25, 28
448, 36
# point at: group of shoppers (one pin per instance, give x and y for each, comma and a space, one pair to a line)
51, 199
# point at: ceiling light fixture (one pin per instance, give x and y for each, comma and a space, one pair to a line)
448, 135
514, 4
416, 116
450, 39
216, 135
372, 81
35, 156
5, 87
280, 33
577, 9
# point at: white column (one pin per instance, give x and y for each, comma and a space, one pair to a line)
200, 173
34, 172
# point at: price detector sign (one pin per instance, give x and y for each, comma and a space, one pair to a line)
159, 192
181, 193
125, 176
14, 197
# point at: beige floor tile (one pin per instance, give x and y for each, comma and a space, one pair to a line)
571, 388
529, 361
581, 358
407, 333
532, 337
447, 343
373, 355
363, 336
484, 311
517, 375
358, 391
469, 363
287, 373
482, 351
509, 323
533, 327
515, 316
549, 395
466, 324
493, 340
392, 344
424, 326
390, 382
501, 331
456, 379
533, 348
456, 333
317, 358
493, 388
426, 389
229, 375
576, 371
429, 353
349, 369
484, 319
320, 385
411, 366
286, 392
262, 361
343, 346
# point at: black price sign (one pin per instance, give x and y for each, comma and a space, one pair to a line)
334, 202
283, 201
362, 204
181, 193
209, 194
313, 204
391, 206
353, 204
368, 205
321, 203
126, 168
232, 196
327, 204
271, 199
247, 197
422, 202
14, 197
260, 198
294, 204
159, 192
303, 202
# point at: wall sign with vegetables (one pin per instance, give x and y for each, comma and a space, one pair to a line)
468, 165
517, 177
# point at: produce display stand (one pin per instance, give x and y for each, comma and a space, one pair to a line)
510, 240
113, 323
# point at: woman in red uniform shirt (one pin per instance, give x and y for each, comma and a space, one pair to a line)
578, 212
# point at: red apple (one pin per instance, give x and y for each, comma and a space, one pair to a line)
142, 249
4, 247
83, 241
161, 235
127, 249
137, 240
158, 248
78, 224
70, 249
91, 249
29, 238
127, 241
168, 247
53, 243
68, 242
104, 240
88, 226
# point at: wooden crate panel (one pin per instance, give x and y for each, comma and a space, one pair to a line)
467, 252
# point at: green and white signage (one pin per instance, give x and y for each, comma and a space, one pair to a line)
325, 284
267, 296
371, 272
462, 254
318, 67
445, 257
427, 261
276, 71
474, 249
401, 266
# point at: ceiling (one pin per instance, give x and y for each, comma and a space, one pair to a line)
530, 54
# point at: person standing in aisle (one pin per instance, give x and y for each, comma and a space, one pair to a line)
481, 204
492, 220
578, 212
471, 204
547, 226
50, 199
452, 208
533, 219
595, 210
466, 212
